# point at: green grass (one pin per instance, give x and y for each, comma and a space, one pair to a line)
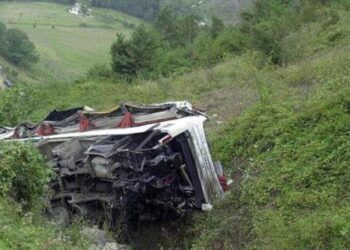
202, 87
23, 198
25, 230
67, 50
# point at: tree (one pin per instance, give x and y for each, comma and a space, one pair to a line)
166, 25
18, 49
122, 58
217, 26
144, 43
136, 55
178, 31
189, 28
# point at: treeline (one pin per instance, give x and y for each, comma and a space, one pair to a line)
16, 47
145, 9
175, 44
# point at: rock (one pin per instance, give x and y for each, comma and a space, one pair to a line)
97, 236
115, 246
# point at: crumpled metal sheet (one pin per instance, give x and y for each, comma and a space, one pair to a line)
69, 121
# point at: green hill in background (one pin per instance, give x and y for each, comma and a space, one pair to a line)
68, 44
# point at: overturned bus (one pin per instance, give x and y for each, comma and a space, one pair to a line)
132, 163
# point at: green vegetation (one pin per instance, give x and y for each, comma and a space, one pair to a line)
148, 10
24, 173
137, 55
68, 44
289, 153
175, 45
35, 101
23, 183
179, 43
16, 47
27, 230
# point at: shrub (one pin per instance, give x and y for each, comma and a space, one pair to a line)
208, 49
202, 49
15, 104
99, 70
172, 61
24, 173
83, 25
217, 26
17, 48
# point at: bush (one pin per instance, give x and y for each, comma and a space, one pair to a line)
203, 49
17, 48
208, 49
99, 70
83, 25
172, 61
15, 104
24, 173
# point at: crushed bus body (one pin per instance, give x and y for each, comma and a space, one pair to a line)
133, 163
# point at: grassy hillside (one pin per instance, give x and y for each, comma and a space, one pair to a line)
68, 44
289, 155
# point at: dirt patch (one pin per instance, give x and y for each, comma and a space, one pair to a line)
226, 103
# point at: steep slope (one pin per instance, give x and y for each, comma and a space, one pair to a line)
288, 155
